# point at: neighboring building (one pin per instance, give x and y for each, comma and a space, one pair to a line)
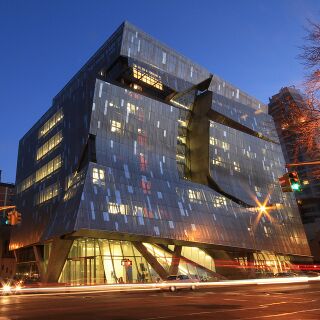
7, 261
309, 199
146, 165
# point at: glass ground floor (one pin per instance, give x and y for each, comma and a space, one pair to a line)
97, 261
102, 261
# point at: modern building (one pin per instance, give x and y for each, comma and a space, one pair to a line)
146, 165
7, 261
308, 200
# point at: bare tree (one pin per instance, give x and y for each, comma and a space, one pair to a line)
310, 58
303, 117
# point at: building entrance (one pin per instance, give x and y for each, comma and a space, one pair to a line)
83, 271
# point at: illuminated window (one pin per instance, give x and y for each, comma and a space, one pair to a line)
131, 108
53, 121
48, 168
49, 145
115, 126
137, 87
219, 201
225, 146
222, 144
48, 193
180, 157
182, 139
213, 141
40, 174
182, 123
115, 208
236, 166
98, 176
147, 77
26, 184
218, 162
194, 195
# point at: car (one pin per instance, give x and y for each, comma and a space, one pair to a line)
10, 286
287, 274
310, 273
174, 282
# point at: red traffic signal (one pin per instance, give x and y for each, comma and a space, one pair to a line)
285, 183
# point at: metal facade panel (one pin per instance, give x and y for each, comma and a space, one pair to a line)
147, 198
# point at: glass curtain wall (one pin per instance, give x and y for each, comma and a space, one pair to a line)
100, 261
197, 264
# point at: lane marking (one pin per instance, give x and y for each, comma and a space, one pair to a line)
205, 312
265, 306
188, 314
235, 300
274, 303
281, 314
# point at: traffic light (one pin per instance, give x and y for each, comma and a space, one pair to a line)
12, 218
294, 181
8, 218
285, 183
290, 182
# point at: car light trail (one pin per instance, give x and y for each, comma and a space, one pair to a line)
7, 289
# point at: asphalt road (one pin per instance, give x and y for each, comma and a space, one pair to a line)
287, 301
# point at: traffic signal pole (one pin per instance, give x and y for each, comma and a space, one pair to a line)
307, 163
290, 182
7, 207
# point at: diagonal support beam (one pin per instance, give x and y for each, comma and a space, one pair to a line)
176, 257
40, 262
151, 260
59, 252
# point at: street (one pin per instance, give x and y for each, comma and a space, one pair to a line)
278, 301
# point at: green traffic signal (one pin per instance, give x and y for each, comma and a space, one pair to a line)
296, 186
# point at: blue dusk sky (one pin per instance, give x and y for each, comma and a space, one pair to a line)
251, 43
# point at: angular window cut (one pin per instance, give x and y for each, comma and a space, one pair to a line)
147, 77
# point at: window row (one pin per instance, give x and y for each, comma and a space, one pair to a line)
49, 145
52, 122
25, 184
41, 173
48, 193
48, 168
